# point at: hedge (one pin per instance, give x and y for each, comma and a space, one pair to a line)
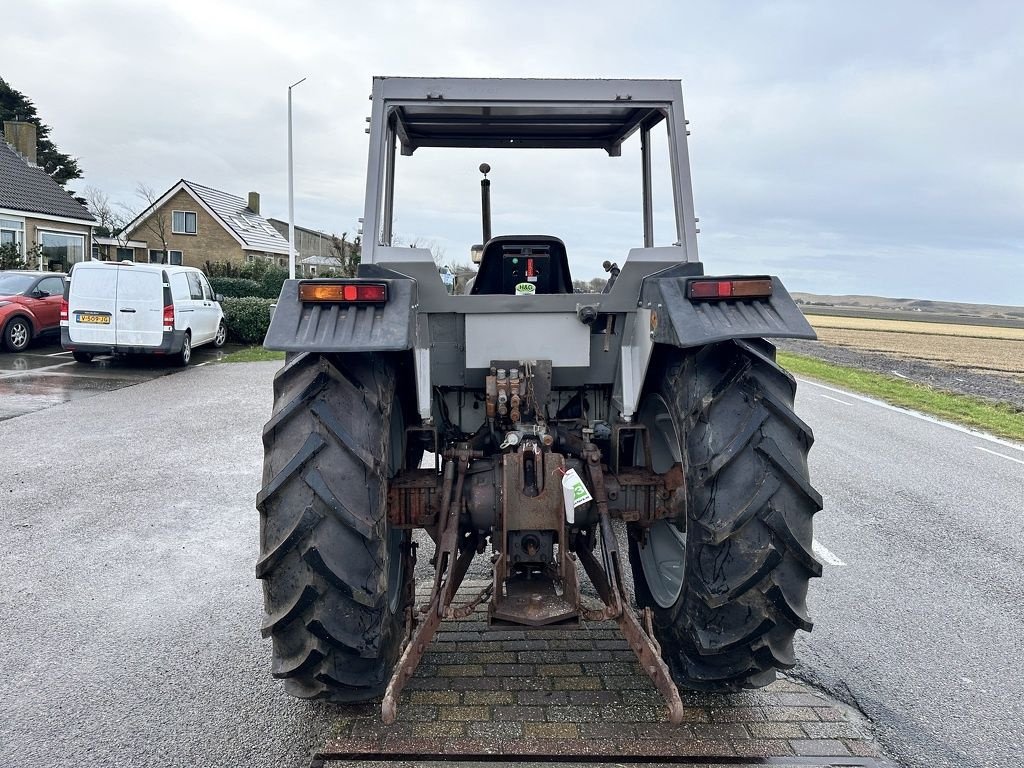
236, 286
247, 318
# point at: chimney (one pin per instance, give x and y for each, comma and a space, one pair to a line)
22, 136
254, 202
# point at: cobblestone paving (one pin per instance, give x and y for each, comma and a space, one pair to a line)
581, 692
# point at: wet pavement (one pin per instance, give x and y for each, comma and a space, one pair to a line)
45, 375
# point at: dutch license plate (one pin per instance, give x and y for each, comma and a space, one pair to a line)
94, 319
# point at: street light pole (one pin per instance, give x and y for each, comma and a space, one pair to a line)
291, 190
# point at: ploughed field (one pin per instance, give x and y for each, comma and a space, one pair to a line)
983, 361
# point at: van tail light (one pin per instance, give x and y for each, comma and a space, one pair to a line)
169, 317
64, 312
719, 289
344, 293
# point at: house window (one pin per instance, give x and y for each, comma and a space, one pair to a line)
13, 231
126, 254
282, 262
60, 250
183, 222
312, 270
250, 258
95, 253
175, 258
157, 257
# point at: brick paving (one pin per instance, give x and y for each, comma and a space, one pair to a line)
580, 693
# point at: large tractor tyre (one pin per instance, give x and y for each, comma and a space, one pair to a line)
334, 583
728, 584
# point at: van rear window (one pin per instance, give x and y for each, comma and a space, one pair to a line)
93, 283
138, 286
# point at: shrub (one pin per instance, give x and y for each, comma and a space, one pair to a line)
271, 282
236, 286
247, 318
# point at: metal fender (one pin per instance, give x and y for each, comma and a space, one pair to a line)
680, 321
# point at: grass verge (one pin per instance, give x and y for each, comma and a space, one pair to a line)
252, 355
1000, 419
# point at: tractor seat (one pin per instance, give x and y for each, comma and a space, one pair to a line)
509, 260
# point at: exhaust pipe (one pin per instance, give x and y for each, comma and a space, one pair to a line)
485, 200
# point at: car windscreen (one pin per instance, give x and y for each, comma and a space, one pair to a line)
12, 283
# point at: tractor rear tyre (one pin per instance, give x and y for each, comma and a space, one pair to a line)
727, 585
334, 583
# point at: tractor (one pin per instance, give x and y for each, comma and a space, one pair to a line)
517, 420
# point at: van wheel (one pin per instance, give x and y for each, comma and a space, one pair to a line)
82, 357
17, 334
185, 355
222, 335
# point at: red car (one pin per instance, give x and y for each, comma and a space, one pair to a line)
29, 306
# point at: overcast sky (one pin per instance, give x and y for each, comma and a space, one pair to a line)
847, 147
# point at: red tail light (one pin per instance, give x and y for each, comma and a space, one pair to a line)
731, 288
169, 317
63, 310
344, 293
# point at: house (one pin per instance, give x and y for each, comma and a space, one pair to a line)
315, 251
51, 229
118, 249
192, 224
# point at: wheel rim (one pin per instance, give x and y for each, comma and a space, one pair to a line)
396, 564
186, 350
663, 550
221, 333
19, 335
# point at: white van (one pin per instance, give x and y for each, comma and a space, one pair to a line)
133, 308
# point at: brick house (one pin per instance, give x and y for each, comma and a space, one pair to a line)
51, 229
191, 224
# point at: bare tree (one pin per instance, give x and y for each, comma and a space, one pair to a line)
347, 253
153, 222
100, 207
111, 217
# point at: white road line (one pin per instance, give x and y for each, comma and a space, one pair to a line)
1003, 456
820, 550
834, 399
897, 373
57, 354
916, 415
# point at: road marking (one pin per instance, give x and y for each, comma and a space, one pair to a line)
834, 399
58, 354
916, 415
820, 550
897, 373
1000, 455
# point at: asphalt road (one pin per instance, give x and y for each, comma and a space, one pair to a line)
921, 626
45, 375
129, 606
128, 599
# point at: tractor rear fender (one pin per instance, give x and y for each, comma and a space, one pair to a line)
329, 328
680, 321
667, 315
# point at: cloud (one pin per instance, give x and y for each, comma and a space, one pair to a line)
870, 147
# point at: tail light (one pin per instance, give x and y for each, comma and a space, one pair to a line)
169, 317
731, 288
344, 293
63, 311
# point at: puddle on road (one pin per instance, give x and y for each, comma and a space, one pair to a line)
43, 378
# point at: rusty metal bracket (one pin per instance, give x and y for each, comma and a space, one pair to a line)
449, 571
608, 581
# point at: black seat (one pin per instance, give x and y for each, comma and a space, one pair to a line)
512, 259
